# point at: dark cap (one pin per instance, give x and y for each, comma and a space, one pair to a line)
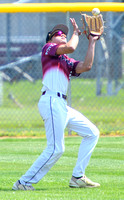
59, 27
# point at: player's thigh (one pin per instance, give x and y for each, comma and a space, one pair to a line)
80, 124
54, 114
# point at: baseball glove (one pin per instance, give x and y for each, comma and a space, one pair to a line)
92, 25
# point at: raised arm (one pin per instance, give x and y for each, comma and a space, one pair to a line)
86, 65
71, 45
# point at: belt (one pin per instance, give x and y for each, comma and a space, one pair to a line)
58, 94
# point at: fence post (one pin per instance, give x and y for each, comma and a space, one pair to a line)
1, 89
69, 85
98, 68
8, 27
109, 44
109, 16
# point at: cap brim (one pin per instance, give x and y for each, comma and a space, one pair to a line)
60, 27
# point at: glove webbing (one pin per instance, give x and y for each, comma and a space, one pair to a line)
93, 23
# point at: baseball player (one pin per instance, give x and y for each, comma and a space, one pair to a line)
57, 70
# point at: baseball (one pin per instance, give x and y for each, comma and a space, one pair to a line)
96, 11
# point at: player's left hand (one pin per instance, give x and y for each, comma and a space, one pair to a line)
92, 25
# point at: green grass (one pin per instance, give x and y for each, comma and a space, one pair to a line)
107, 112
106, 166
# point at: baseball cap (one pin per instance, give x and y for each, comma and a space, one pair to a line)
59, 27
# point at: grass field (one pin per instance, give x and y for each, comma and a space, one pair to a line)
106, 166
107, 112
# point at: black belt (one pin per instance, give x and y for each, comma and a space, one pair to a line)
58, 94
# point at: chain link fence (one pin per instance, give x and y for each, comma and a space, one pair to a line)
98, 94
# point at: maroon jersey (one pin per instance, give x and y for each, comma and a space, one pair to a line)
57, 69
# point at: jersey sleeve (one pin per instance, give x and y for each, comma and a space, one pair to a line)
50, 49
73, 68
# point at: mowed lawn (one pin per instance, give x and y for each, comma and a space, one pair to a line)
106, 167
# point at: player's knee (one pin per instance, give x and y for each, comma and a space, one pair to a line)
59, 152
96, 132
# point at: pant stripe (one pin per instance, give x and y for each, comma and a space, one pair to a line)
54, 143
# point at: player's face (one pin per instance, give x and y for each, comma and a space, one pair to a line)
59, 38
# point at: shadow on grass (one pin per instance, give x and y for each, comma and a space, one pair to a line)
10, 190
